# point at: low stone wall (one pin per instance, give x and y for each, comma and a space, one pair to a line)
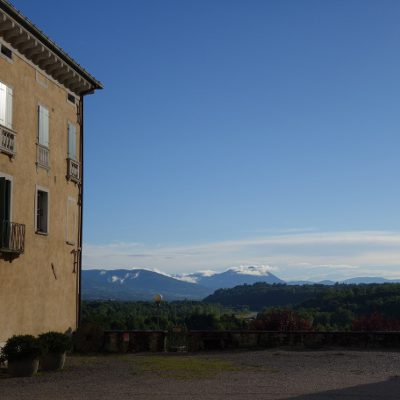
135, 341
159, 341
207, 340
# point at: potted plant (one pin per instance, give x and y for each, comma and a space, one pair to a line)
22, 354
55, 346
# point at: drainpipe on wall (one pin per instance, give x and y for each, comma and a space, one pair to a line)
79, 263
80, 234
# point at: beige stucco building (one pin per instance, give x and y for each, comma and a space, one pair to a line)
41, 168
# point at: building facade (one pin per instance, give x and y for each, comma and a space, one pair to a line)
42, 92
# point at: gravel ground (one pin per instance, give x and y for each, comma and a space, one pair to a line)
270, 374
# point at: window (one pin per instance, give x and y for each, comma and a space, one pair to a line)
43, 129
11, 234
6, 101
71, 98
42, 211
6, 51
71, 141
72, 213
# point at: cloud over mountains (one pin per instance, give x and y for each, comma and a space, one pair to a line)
306, 255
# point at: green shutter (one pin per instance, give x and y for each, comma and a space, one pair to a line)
5, 199
8, 201
5, 204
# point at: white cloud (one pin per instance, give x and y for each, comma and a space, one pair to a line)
303, 255
186, 278
207, 272
194, 278
256, 270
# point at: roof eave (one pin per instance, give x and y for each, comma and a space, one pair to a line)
23, 35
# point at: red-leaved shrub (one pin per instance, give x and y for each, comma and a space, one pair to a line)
280, 320
375, 322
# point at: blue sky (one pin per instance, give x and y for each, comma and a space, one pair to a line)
240, 122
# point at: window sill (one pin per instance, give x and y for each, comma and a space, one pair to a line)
42, 166
42, 233
70, 243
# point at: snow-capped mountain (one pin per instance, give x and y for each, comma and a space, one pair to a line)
137, 284
195, 277
232, 277
142, 284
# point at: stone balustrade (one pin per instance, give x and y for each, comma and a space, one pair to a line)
158, 341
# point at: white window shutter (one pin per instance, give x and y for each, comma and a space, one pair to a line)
71, 220
46, 127
72, 141
43, 126
40, 125
9, 108
3, 101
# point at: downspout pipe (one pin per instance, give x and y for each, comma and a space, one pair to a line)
81, 186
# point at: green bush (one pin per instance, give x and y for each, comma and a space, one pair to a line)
88, 338
21, 347
55, 342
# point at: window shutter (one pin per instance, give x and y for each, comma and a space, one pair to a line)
40, 125
71, 221
9, 108
5, 199
3, 101
43, 126
72, 141
2, 200
42, 210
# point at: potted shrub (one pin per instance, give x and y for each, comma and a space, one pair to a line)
22, 354
55, 346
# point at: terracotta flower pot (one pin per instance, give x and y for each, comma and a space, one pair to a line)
52, 361
21, 368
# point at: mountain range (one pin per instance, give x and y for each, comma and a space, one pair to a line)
143, 284
136, 284
231, 278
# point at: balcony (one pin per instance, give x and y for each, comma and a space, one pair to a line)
7, 141
12, 238
43, 156
73, 170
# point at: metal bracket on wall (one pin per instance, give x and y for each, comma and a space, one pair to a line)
54, 271
76, 260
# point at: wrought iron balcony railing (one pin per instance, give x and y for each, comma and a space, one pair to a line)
12, 237
7, 141
73, 170
43, 156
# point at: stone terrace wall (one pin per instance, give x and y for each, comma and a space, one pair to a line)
206, 340
158, 341
135, 341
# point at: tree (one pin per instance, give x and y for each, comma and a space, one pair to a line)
282, 320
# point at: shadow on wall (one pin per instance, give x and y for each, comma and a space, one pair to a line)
387, 390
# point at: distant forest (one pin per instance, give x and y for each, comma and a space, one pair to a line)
143, 315
277, 307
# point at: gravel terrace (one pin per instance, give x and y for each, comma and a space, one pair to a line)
269, 374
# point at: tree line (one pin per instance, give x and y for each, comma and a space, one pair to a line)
278, 307
143, 315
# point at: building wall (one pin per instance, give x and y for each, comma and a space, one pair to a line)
33, 297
